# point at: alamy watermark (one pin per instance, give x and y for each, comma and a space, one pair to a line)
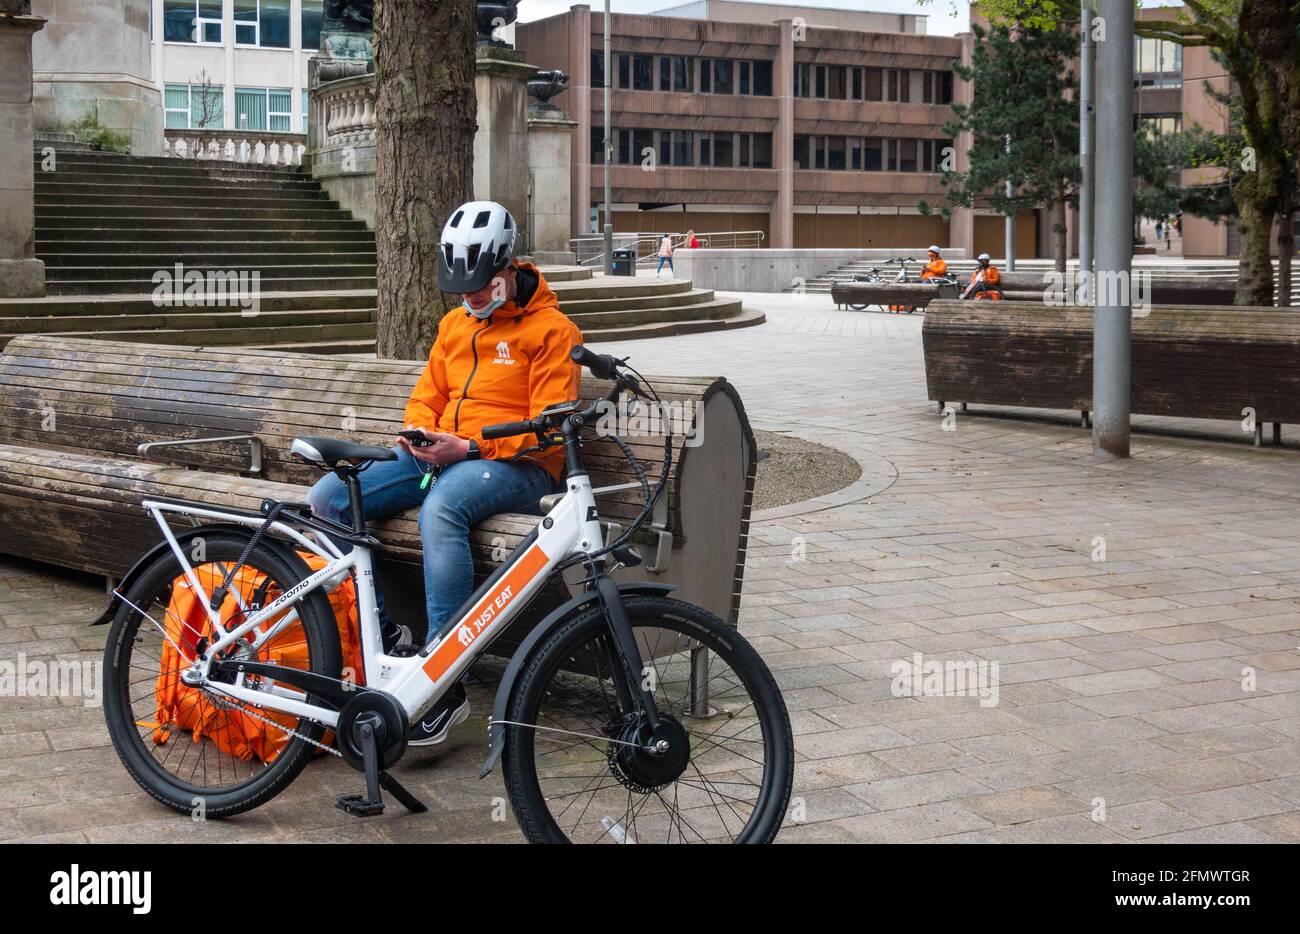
930, 677
212, 288
647, 419
24, 677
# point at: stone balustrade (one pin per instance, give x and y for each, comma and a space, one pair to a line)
258, 147
347, 107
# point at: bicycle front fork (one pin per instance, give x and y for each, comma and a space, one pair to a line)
639, 684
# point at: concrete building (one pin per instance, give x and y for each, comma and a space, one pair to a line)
234, 64
820, 128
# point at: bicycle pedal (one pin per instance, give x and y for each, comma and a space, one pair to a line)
404, 650
359, 805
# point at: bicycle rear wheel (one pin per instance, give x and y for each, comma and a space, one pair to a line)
577, 771
193, 748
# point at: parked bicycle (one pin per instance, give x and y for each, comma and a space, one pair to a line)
624, 716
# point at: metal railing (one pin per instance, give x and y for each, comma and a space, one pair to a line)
590, 248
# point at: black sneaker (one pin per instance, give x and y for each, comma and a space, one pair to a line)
432, 728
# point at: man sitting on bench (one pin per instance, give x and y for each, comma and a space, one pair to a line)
501, 357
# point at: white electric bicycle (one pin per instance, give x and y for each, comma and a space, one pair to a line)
624, 715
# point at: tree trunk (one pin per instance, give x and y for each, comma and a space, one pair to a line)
1257, 198
1060, 245
424, 127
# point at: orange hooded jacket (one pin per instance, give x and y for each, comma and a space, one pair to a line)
503, 369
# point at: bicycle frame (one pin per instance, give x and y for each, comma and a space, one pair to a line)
570, 528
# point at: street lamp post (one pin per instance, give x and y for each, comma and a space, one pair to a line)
1010, 229
1087, 91
1112, 318
609, 226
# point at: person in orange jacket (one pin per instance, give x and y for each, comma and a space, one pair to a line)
503, 356
934, 266
985, 282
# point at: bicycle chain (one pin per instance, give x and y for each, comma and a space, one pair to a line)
226, 702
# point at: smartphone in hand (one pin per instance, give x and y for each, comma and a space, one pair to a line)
416, 438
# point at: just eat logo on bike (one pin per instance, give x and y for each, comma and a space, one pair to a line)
485, 613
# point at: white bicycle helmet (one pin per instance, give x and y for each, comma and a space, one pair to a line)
477, 243
983, 258
934, 249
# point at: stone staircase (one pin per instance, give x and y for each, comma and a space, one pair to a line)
108, 226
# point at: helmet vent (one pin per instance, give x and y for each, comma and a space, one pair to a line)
482, 219
455, 221
471, 259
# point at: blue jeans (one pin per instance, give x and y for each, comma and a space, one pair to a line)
662, 260
464, 494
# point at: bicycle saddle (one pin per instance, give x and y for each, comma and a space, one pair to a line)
332, 450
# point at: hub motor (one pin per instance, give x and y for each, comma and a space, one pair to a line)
657, 757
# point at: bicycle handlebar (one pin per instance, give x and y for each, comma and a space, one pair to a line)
509, 429
601, 365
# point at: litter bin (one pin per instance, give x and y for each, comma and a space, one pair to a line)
625, 262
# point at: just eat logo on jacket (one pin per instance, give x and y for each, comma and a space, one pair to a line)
503, 354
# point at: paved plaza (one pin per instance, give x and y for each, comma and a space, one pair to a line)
1144, 618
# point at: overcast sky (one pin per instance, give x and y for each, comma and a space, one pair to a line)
947, 17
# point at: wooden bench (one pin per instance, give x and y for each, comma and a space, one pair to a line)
1164, 290
884, 294
73, 411
1187, 361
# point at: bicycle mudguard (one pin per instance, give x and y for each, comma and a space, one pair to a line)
129, 578
496, 732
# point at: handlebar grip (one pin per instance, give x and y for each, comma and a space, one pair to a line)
508, 430
601, 365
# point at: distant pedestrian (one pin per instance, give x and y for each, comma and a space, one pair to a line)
692, 241
1160, 229
1169, 243
665, 254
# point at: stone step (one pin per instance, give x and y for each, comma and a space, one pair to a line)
608, 287
745, 319
109, 161
132, 217
137, 287
356, 346
223, 199
184, 319
143, 304
145, 274
327, 256
216, 228
632, 303
600, 320
67, 182
234, 335
144, 252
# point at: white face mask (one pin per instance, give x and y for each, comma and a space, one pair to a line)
486, 310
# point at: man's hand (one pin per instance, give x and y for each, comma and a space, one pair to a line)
446, 448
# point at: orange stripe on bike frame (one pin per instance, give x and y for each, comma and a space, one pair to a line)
486, 613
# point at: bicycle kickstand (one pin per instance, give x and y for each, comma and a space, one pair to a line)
371, 804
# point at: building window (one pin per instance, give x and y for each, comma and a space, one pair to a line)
836, 84
896, 85
857, 84
936, 87
802, 80
665, 73
263, 109
706, 76
933, 152
762, 78
643, 68
313, 13
835, 153
304, 111
682, 73
191, 107
643, 145
597, 70
745, 83
263, 23
683, 143
623, 68
874, 84
1157, 63
761, 150
871, 155
1160, 124
800, 152
192, 21
819, 81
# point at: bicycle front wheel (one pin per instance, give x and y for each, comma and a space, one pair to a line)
576, 759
